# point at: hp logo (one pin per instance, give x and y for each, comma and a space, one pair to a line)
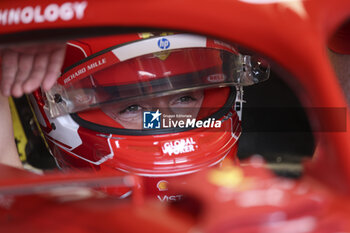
163, 43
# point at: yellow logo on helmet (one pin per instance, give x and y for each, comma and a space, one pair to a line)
162, 185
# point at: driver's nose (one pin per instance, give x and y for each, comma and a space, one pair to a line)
162, 104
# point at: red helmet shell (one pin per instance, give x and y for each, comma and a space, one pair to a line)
79, 146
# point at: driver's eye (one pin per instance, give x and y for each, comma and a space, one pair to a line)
131, 109
185, 99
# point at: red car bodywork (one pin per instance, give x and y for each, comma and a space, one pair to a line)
294, 34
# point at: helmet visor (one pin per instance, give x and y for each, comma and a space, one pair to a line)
151, 75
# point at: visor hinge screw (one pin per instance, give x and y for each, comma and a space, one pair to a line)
239, 101
238, 107
58, 98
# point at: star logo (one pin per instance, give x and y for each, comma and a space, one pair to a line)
156, 115
151, 120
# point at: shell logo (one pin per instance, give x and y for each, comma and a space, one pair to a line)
162, 185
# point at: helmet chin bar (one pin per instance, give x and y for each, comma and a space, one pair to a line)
238, 105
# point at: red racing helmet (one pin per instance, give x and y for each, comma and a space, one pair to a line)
156, 106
